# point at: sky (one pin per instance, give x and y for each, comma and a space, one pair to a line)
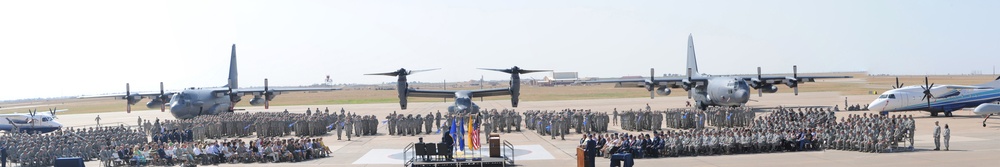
70, 48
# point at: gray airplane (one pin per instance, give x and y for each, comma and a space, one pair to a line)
717, 90
192, 102
463, 98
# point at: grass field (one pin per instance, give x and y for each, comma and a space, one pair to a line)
859, 85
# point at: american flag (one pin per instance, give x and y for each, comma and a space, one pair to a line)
475, 136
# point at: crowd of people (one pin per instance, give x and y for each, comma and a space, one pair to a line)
260, 150
783, 130
410, 125
263, 124
32, 150
559, 123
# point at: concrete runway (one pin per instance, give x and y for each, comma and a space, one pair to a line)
971, 145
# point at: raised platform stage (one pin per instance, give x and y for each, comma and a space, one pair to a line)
486, 161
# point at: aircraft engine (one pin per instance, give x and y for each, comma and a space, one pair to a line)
156, 102
769, 89
257, 101
663, 91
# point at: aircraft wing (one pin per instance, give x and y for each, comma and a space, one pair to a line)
451, 93
282, 89
431, 93
122, 95
669, 81
782, 79
966, 87
491, 92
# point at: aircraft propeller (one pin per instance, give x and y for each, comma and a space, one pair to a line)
128, 99
163, 99
403, 72
52, 111
267, 95
515, 81
795, 74
898, 85
760, 93
651, 83
927, 91
233, 98
11, 123
687, 83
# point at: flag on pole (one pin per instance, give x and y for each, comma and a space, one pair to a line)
475, 136
461, 133
247, 127
468, 141
452, 132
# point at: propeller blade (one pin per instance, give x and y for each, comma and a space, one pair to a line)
163, 100
128, 99
690, 85
267, 95
651, 83
493, 69
533, 71
760, 93
424, 70
386, 74
795, 74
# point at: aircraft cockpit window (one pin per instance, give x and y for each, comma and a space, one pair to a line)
883, 96
892, 96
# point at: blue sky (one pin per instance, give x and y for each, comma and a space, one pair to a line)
67, 48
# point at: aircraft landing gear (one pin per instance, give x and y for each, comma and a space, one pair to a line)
934, 113
947, 114
987, 118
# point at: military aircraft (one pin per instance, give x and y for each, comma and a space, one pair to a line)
935, 98
463, 98
987, 109
192, 102
33, 122
716, 90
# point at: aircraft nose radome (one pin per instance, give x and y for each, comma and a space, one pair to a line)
876, 105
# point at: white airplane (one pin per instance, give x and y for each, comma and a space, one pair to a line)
935, 98
33, 122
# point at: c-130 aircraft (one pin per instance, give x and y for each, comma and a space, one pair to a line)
731, 91
463, 98
193, 102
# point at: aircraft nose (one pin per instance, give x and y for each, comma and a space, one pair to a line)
877, 105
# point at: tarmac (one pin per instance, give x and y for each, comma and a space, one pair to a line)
971, 144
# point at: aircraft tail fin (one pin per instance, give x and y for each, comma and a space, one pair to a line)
692, 61
232, 83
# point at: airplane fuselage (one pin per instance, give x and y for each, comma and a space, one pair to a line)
463, 103
722, 91
37, 124
194, 102
946, 100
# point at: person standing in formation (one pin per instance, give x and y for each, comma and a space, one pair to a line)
947, 136
937, 136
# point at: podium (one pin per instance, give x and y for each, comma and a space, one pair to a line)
494, 145
69, 162
581, 160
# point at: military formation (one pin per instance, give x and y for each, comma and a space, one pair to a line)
558, 124
267, 124
413, 124
502, 121
42, 149
783, 130
854, 133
